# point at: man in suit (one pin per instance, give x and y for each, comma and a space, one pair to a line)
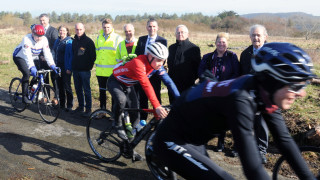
258, 36
143, 42
51, 34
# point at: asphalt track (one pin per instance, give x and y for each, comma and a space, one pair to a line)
32, 149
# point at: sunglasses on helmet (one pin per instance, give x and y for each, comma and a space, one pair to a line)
296, 88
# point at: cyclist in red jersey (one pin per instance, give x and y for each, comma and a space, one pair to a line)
138, 70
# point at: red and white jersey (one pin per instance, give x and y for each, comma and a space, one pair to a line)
137, 71
29, 50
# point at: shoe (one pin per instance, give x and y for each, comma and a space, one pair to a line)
43, 100
220, 148
87, 113
129, 153
263, 158
121, 133
68, 109
78, 110
54, 101
234, 153
26, 100
136, 157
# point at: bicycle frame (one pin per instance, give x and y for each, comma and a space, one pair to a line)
146, 129
40, 77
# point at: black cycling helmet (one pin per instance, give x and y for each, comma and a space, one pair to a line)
284, 62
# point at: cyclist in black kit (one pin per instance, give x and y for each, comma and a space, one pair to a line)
283, 71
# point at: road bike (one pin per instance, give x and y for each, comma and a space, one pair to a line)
43, 95
108, 146
311, 154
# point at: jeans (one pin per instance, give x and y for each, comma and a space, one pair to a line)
82, 86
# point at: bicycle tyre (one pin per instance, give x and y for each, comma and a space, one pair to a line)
282, 168
48, 104
159, 171
102, 136
15, 91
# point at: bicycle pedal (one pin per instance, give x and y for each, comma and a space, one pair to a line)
99, 141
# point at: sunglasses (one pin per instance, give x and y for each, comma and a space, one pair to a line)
296, 88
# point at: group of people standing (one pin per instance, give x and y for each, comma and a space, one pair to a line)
220, 99
77, 56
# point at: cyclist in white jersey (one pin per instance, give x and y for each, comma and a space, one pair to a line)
28, 51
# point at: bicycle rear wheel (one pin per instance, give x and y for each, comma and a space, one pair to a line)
158, 170
310, 154
15, 91
48, 104
102, 136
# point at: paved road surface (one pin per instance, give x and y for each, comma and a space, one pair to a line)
32, 149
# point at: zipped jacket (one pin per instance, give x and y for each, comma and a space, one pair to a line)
122, 50
29, 50
139, 70
106, 48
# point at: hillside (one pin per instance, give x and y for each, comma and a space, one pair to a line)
280, 15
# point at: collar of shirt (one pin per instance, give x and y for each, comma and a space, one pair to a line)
255, 51
133, 40
46, 28
105, 36
151, 39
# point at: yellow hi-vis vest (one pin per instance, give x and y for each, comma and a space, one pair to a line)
106, 53
122, 50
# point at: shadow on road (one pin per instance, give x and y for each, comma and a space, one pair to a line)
50, 154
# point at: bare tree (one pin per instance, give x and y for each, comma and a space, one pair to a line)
309, 26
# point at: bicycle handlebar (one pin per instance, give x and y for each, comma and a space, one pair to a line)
43, 71
150, 111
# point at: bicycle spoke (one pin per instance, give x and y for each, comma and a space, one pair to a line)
49, 111
15, 93
102, 137
311, 156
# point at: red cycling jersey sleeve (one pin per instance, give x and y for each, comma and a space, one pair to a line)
137, 71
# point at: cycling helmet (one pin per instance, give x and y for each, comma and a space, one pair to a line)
38, 30
158, 50
284, 62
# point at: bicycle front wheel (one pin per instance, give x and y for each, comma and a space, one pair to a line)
15, 91
102, 136
48, 104
158, 170
310, 154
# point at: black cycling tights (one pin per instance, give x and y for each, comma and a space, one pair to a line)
189, 161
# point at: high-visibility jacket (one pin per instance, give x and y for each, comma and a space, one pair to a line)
106, 53
122, 50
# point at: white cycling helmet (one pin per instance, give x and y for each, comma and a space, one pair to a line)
158, 50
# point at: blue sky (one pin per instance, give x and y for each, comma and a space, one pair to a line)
133, 7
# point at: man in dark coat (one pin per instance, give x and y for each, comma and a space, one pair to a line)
183, 61
258, 36
84, 55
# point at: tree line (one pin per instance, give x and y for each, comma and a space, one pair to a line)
224, 20
228, 21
